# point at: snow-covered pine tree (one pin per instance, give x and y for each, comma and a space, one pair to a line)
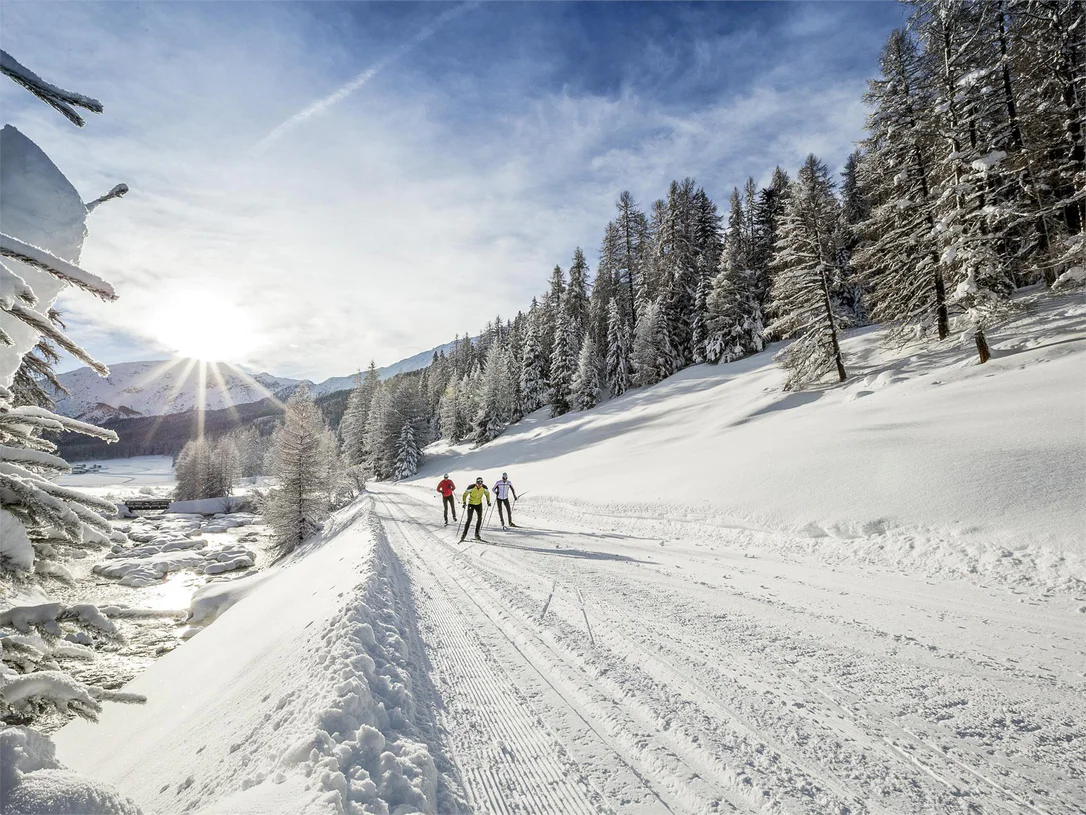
467, 400
900, 260
408, 453
767, 213
41, 520
305, 462
449, 416
1050, 62
352, 428
652, 356
44, 220
850, 293
575, 303
496, 398
618, 351
651, 275
677, 260
586, 382
252, 448
225, 467
563, 366
192, 471
533, 383
803, 266
551, 305
707, 245
735, 323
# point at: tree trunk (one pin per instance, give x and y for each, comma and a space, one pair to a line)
941, 313
983, 351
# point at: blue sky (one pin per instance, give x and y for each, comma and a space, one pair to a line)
433, 196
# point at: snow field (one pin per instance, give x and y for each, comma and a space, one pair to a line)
921, 460
302, 697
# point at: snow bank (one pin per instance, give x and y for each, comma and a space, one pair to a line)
981, 468
209, 506
33, 781
300, 698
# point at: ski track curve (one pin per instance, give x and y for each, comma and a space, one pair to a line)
823, 717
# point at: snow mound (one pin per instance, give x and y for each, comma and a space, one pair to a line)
33, 781
167, 544
316, 713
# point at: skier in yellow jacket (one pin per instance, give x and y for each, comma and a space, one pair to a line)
473, 500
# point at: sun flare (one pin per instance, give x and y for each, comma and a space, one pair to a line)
204, 327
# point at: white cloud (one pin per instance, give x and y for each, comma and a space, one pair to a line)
413, 210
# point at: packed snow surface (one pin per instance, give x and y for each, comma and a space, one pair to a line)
865, 598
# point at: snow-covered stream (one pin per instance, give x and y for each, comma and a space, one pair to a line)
151, 609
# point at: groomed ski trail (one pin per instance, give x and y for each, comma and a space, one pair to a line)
714, 691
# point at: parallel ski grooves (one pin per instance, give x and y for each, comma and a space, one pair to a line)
526, 778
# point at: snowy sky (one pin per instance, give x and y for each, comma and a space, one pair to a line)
318, 184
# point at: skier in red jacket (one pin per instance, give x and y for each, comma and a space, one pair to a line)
446, 487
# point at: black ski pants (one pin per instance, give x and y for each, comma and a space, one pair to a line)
449, 502
477, 511
508, 510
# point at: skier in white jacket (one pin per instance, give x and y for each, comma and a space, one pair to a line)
501, 495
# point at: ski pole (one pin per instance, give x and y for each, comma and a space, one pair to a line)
489, 515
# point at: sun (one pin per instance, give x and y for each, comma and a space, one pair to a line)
204, 326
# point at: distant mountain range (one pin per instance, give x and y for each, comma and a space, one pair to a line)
164, 387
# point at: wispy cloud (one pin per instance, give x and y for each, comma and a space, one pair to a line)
347, 89
444, 193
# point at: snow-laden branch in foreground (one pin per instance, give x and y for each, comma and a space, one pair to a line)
55, 97
11, 247
117, 192
42, 324
346, 90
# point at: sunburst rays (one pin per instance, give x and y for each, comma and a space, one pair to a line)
202, 370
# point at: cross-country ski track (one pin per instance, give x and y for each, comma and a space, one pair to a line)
685, 675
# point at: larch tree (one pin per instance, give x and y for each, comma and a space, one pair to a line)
306, 464
803, 266
901, 257
634, 244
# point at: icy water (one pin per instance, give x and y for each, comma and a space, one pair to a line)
152, 620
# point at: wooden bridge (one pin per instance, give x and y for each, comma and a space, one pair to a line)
147, 504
